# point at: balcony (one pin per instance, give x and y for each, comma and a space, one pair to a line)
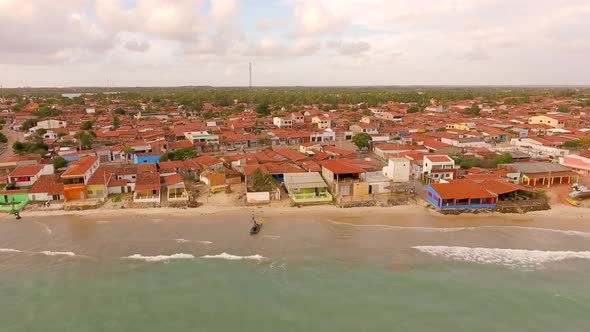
323, 197
178, 196
142, 197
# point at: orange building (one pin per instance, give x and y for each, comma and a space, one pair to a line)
77, 175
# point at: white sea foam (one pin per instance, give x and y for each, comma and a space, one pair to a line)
414, 228
9, 250
274, 237
231, 257
57, 253
181, 240
528, 259
160, 258
205, 242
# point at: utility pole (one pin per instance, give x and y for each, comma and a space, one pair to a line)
250, 85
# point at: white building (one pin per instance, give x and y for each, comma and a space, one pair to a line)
323, 121
51, 124
282, 122
26, 176
398, 169
201, 136
437, 167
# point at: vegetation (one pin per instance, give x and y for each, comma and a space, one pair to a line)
85, 139
362, 140
265, 141
127, 150
87, 125
263, 110
413, 109
28, 124
39, 148
116, 121
563, 109
262, 181
180, 154
46, 112
473, 111
59, 162
3, 138
119, 111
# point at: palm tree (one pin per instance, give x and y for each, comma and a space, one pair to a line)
127, 149
262, 181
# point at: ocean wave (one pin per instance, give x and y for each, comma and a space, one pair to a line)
9, 250
160, 258
205, 242
530, 259
231, 257
181, 240
57, 253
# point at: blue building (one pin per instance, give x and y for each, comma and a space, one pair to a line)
148, 157
460, 195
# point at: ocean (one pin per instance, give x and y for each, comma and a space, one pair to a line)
313, 274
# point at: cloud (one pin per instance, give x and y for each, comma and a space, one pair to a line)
349, 47
315, 18
270, 47
137, 46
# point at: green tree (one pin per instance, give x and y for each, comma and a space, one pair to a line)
585, 142
41, 132
127, 150
413, 109
85, 140
116, 121
262, 181
563, 109
473, 111
180, 154
119, 111
59, 162
504, 158
18, 147
572, 144
87, 125
263, 110
362, 140
29, 123
3, 138
46, 112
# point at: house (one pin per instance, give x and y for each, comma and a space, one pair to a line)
307, 188
175, 189
207, 162
397, 169
378, 183
26, 176
438, 167
460, 195
297, 117
323, 121
541, 173
201, 137
216, 181
77, 175
580, 164
555, 121
282, 122
13, 199
147, 188
362, 127
51, 124
47, 188
97, 185
344, 178
146, 157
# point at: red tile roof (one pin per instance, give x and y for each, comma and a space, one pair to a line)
148, 181
173, 179
29, 170
79, 167
439, 159
49, 184
291, 154
340, 166
461, 189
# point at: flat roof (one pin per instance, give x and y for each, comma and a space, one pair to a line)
538, 167
304, 180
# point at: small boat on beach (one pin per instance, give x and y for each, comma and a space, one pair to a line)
580, 191
573, 202
255, 229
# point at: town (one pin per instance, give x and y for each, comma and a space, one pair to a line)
451, 150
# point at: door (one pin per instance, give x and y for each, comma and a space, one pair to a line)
81, 195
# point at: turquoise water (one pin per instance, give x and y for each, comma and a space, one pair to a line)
291, 295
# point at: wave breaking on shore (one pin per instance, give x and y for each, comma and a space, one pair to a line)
160, 258
231, 257
514, 258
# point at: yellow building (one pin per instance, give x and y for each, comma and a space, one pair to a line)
555, 121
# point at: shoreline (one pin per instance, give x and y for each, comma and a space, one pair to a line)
559, 217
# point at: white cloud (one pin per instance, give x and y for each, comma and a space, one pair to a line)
137, 46
314, 17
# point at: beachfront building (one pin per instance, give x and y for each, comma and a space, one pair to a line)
307, 188
47, 188
26, 176
175, 189
13, 200
397, 169
201, 137
216, 181
579, 164
76, 177
541, 174
460, 195
147, 188
344, 178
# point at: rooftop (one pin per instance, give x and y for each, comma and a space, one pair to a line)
304, 180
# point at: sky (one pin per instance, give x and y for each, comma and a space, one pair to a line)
294, 42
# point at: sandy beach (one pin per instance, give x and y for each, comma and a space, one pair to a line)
561, 217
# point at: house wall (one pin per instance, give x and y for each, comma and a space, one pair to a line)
96, 191
398, 170
75, 192
42, 197
579, 164
435, 199
328, 175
